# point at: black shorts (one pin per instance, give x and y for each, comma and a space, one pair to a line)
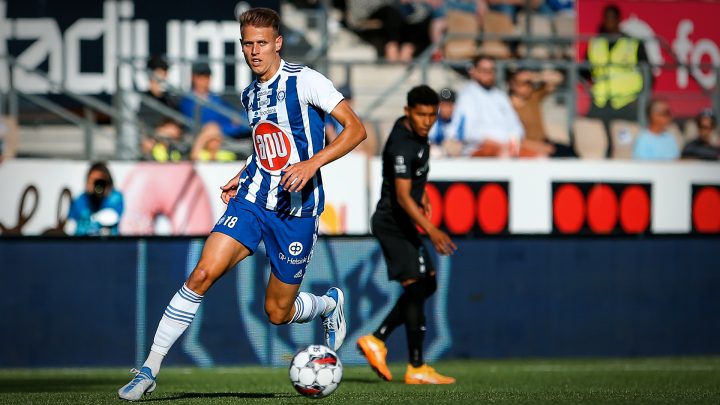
404, 251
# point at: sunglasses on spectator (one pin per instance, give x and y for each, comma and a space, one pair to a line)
665, 113
524, 82
709, 127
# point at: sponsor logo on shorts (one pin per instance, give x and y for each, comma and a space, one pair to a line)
292, 260
299, 274
295, 248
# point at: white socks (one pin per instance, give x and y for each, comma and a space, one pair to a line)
177, 317
308, 307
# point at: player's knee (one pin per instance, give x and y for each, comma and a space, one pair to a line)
276, 315
200, 279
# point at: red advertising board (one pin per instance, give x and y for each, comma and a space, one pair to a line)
687, 32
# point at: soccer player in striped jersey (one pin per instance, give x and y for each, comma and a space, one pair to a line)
277, 197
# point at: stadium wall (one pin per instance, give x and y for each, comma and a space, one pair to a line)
96, 302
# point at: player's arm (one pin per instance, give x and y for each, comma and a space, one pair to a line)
442, 242
229, 190
298, 175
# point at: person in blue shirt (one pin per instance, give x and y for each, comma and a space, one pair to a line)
655, 142
97, 211
437, 133
213, 125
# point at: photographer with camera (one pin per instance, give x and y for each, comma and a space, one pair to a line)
97, 211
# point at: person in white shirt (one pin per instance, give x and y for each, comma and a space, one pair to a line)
484, 122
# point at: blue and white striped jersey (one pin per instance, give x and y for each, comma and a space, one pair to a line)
287, 115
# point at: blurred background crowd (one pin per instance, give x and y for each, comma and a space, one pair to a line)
527, 78
587, 80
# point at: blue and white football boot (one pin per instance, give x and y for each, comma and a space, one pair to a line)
143, 383
334, 322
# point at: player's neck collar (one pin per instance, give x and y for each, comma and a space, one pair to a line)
274, 76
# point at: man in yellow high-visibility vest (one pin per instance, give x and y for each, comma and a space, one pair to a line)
615, 71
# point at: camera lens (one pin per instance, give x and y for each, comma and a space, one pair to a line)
99, 186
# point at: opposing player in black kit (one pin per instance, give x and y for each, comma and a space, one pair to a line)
404, 205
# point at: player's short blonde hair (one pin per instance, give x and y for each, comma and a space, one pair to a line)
261, 17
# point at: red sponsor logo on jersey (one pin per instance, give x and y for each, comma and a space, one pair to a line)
272, 145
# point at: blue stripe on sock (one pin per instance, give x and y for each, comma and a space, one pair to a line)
177, 319
188, 297
191, 292
298, 304
173, 313
180, 312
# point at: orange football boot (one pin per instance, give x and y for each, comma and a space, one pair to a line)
425, 375
375, 352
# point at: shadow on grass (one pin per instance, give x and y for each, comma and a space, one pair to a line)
18, 385
212, 395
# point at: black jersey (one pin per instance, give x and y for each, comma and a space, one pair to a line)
405, 156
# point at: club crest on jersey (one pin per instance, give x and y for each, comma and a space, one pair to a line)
272, 146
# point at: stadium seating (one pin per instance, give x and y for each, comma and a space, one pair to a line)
495, 23
624, 133
462, 23
540, 26
590, 138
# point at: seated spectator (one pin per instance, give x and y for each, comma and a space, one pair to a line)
163, 136
703, 147
527, 91
566, 7
438, 132
484, 122
214, 125
512, 7
333, 128
404, 25
655, 142
98, 210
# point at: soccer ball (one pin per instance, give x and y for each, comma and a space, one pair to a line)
316, 371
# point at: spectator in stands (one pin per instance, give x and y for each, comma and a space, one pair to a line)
512, 7
655, 142
484, 122
163, 136
98, 210
703, 147
561, 6
404, 25
527, 91
616, 79
333, 128
438, 132
213, 124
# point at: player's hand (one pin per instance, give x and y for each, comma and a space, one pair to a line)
296, 176
442, 242
229, 190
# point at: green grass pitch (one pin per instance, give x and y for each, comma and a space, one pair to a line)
567, 381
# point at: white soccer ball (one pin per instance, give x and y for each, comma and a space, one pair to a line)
316, 371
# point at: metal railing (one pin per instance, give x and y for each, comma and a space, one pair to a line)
123, 114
